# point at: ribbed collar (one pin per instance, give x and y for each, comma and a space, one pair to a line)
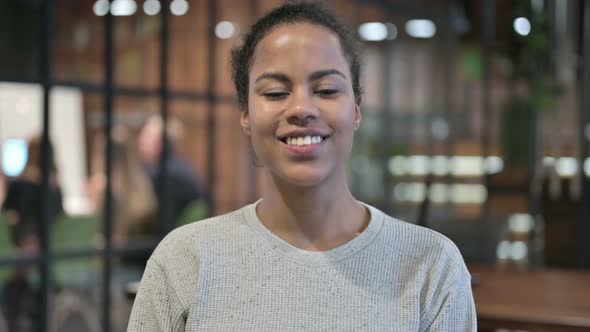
315, 258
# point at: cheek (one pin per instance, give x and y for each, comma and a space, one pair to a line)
262, 119
346, 131
346, 121
261, 129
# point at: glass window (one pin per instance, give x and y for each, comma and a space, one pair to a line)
137, 50
20, 40
79, 43
189, 49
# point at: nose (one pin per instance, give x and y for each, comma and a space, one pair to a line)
302, 108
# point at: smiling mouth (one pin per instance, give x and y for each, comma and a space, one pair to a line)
303, 140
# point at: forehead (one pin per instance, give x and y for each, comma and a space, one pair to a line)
297, 48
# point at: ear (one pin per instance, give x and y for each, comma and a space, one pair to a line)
357, 113
245, 122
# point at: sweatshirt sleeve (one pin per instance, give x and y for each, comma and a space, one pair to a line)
457, 308
157, 306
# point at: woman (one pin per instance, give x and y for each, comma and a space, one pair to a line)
25, 192
307, 256
23, 207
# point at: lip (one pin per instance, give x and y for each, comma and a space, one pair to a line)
304, 132
304, 150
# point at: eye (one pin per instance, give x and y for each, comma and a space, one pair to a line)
326, 92
275, 95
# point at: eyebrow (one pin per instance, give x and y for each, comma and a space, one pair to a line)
313, 77
321, 73
273, 76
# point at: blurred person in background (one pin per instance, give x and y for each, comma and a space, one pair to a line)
135, 210
135, 204
23, 199
23, 207
184, 186
307, 256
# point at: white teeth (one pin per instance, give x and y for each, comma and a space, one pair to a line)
307, 140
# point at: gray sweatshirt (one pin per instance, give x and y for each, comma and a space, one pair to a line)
230, 273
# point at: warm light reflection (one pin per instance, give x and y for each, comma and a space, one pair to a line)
467, 166
566, 166
516, 250
473, 166
520, 223
519, 250
415, 192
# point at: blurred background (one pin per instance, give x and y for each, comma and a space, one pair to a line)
118, 123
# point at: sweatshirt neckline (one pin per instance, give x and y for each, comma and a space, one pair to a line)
315, 258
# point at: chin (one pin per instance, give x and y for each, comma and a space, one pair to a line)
304, 182
304, 177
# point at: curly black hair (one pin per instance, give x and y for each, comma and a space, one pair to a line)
242, 56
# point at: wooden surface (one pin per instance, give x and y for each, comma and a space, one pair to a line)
535, 300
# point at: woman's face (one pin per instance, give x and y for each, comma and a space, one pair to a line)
302, 112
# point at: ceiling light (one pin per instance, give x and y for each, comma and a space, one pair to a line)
14, 156
151, 7
567, 166
373, 31
421, 28
123, 7
522, 26
225, 30
179, 7
101, 7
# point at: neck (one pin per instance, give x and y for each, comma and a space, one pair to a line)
313, 218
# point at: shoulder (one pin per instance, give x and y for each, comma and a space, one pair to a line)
418, 239
432, 261
178, 259
186, 241
426, 250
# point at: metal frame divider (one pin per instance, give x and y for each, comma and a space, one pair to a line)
584, 136
448, 105
489, 15
46, 74
164, 185
108, 208
425, 207
211, 116
386, 51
